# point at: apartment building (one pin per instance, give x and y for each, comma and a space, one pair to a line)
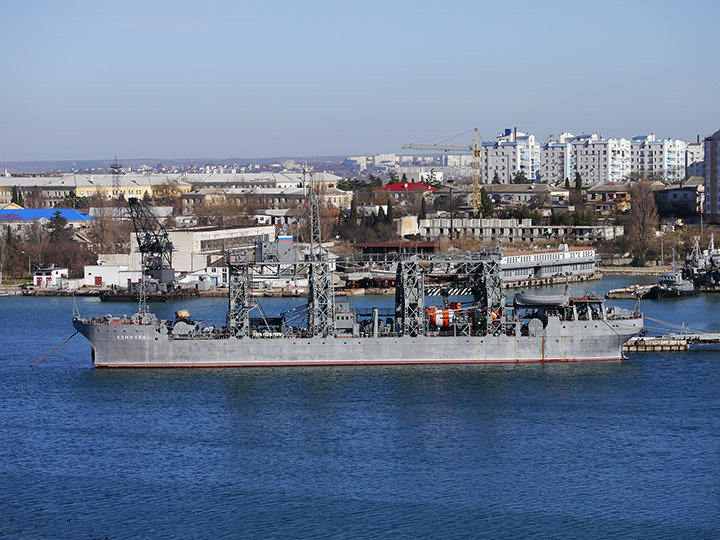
665, 158
711, 148
556, 159
419, 174
384, 160
511, 153
695, 159
598, 160
458, 160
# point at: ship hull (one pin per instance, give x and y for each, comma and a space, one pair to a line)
662, 293
161, 297
137, 345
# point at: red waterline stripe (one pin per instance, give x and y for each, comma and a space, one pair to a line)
347, 363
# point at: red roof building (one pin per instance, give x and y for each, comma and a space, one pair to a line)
408, 186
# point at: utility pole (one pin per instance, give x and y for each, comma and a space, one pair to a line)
451, 214
662, 252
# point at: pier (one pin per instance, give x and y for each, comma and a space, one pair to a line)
671, 341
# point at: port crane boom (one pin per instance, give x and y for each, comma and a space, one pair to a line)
153, 241
476, 149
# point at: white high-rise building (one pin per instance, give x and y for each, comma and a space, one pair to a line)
556, 159
695, 159
458, 160
711, 147
664, 158
384, 160
405, 161
361, 162
512, 152
598, 160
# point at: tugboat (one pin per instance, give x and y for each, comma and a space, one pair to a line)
671, 285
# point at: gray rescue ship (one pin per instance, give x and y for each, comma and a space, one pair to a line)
531, 329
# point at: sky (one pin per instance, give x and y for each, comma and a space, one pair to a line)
219, 79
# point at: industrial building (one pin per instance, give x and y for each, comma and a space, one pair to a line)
514, 230
198, 248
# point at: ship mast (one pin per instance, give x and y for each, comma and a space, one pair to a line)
239, 295
321, 293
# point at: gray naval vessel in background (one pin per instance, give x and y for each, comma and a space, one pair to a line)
486, 330
532, 328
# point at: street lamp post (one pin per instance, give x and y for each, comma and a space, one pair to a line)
29, 269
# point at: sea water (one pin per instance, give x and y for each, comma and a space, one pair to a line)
606, 450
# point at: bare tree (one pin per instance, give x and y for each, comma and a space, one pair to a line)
4, 247
108, 231
642, 219
168, 194
35, 198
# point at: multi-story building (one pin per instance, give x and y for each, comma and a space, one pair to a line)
665, 158
197, 248
694, 159
405, 161
458, 160
48, 191
282, 180
419, 174
514, 230
384, 160
683, 199
601, 160
511, 153
556, 159
526, 194
357, 162
268, 197
548, 263
711, 148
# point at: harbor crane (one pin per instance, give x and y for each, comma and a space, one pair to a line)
153, 242
476, 149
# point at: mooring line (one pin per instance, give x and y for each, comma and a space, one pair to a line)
56, 348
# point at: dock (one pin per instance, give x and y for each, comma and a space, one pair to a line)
655, 344
671, 342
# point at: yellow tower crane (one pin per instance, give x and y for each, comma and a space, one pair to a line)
476, 149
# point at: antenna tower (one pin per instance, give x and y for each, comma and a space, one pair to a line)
116, 170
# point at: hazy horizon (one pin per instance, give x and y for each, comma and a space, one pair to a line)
88, 80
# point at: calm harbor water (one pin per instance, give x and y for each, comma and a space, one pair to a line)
616, 450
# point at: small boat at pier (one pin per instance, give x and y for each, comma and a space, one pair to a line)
630, 292
671, 285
